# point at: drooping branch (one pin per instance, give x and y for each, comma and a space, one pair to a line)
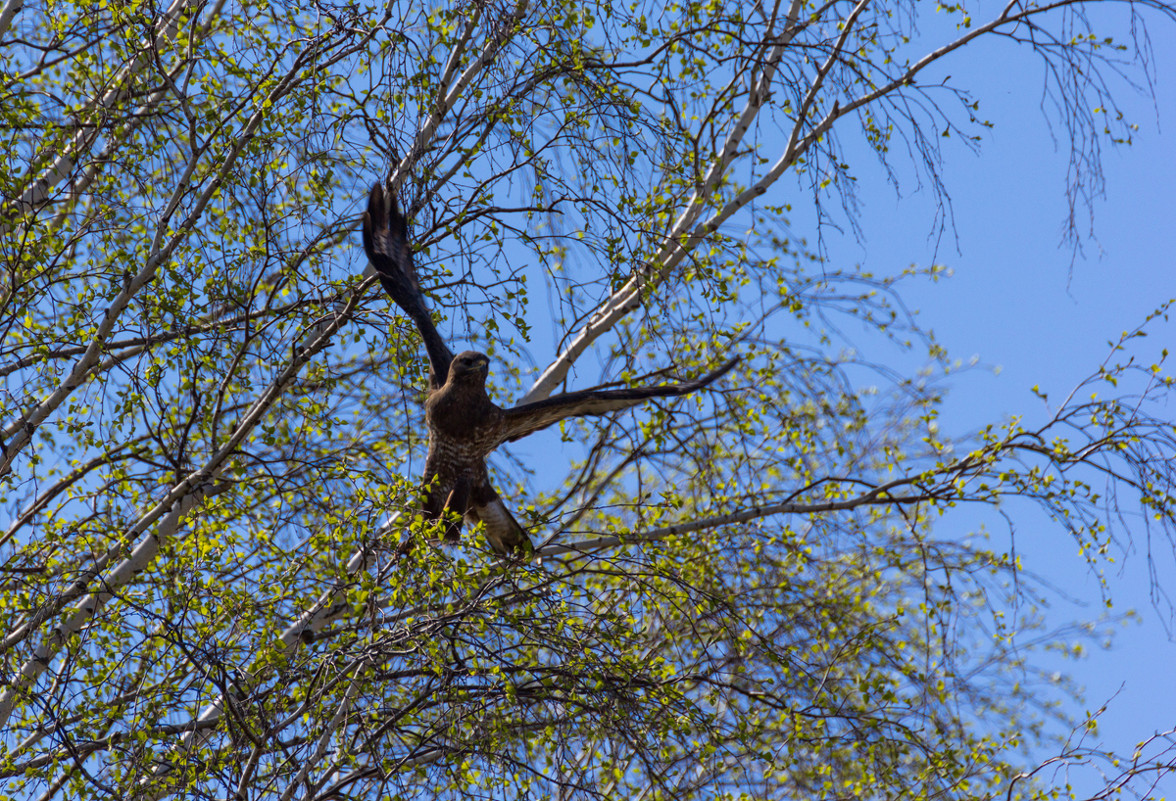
687, 233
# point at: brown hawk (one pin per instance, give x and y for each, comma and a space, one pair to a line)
464, 424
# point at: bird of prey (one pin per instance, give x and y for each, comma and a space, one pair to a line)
464, 424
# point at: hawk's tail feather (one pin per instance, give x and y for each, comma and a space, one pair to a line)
503, 532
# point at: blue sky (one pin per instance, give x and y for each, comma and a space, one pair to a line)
1020, 303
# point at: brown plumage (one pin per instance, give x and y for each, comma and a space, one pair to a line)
464, 424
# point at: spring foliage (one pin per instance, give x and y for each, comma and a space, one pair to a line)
210, 416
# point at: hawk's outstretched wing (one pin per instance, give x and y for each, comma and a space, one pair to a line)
530, 417
385, 240
464, 424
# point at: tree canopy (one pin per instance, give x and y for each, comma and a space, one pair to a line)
210, 421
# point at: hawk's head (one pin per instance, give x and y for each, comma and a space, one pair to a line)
469, 367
